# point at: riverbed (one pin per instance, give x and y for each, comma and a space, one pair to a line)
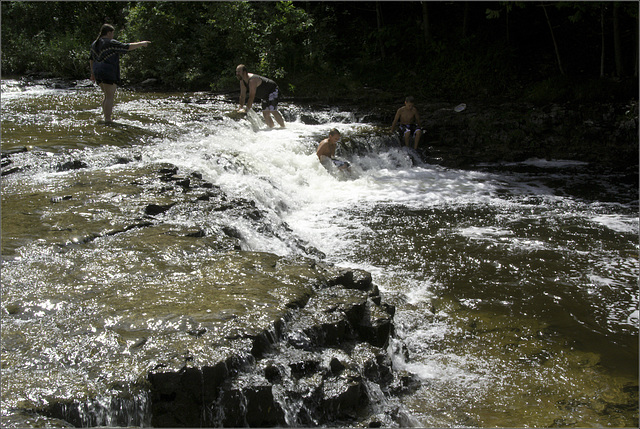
514, 284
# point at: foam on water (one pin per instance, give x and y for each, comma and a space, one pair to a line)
618, 223
16, 90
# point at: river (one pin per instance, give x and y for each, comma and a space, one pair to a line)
515, 284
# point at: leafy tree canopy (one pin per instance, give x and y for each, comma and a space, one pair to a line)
431, 49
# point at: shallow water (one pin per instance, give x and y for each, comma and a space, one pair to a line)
516, 285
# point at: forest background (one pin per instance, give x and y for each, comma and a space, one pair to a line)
534, 51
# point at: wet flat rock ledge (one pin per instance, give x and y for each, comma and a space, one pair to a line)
310, 359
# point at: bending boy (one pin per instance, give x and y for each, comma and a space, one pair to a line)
261, 88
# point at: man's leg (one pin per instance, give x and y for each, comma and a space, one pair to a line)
271, 108
267, 118
407, 137
279, 118
417, 139
109, 99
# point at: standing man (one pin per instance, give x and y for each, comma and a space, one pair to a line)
409, 120
105, 65
261, 88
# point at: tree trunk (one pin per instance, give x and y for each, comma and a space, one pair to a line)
380, 24
602, 40
425, 23
465, 20
553, 37
635, 74
617, 43
507, 24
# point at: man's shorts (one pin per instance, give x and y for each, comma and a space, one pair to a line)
408, 128
341, 165
271, 103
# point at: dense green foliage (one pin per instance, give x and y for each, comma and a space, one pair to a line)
431, 49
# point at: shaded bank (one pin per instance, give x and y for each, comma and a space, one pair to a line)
603, 134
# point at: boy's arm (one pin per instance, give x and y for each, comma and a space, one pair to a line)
395, 121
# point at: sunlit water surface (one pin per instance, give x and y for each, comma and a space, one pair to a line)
516, 286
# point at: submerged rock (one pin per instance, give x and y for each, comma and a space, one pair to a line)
156, 209
72, 165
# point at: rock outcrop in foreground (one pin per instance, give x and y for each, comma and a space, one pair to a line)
310, 358
309, 367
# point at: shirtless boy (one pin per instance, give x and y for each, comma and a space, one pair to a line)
409, 122
327, 150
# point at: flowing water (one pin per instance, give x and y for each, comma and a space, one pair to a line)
515, 285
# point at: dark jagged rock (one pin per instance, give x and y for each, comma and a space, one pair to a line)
336, 366
263, 410
197, 234
185, 183
156, 209
330, 369
350, 279
122, 160
6, 153
273, 374
10, 171
72, 165
343, 397
299, 340
232, 232
376, 325
304, 368
60, 199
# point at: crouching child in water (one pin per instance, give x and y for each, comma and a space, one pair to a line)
409, 122
327, 150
